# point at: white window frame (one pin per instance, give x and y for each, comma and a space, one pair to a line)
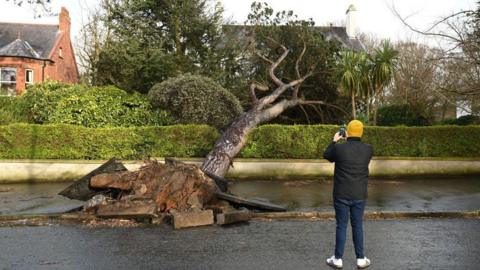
9, 82
26, 77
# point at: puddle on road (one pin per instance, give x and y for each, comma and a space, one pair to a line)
384, 195
302, 195
22, 199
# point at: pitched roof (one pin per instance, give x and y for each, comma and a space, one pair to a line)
338, 33
27, 40
19, 48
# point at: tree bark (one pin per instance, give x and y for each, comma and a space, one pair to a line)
231, 142
354, 113
369, 103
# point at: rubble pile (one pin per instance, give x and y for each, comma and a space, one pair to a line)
179, 191
176, 186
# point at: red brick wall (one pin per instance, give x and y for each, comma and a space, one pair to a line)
21, 65
63, 68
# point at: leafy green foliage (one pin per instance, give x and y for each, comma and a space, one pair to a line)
463, 120
468, 120
11, 111
281, 141
269, 30
194, 99
40, 100
27, 141
400, 114
309, 142
367, 76
351, 75
150, 41
55, 102
129, 64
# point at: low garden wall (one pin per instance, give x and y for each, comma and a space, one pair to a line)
38, 171
65, 152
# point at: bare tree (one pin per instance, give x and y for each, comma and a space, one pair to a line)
92, 39
459, 57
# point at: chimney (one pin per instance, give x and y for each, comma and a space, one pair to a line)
351, 21
64, 21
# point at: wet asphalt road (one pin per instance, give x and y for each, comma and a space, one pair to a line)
391, 244
432, 195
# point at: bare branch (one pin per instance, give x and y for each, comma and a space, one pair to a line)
425, 33
299, 59
446, 19
297, 69
273, 96
319, 102
305, 113
319, 112
264, 57
260, 87
274, 78
451, 102
274, 65
276, 42
277, 109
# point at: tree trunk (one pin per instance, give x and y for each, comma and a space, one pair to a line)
229, 144
219, 160
354, 113
369, 103
375, 111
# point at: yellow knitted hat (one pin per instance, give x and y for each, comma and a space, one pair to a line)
355, 129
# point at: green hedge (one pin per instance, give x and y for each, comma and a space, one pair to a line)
275, 141
25, 141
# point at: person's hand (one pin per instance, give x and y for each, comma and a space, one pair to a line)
337, 137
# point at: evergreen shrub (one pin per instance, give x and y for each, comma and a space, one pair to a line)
29, 141
59, 103
193, 99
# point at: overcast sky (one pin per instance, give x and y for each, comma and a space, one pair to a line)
373, 16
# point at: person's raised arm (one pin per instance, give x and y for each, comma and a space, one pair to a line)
329, 153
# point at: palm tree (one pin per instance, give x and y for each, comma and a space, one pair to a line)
349, 76
385, 62
365, 69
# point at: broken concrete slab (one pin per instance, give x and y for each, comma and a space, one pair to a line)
250, 203
233, 217
120, 180
128, 209
192, 218
81, 190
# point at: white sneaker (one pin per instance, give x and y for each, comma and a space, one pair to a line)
335, 263
363, 263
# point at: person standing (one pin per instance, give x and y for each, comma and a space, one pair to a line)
349, 190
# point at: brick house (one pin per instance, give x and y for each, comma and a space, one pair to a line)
32, 53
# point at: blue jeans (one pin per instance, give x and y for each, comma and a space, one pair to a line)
344, 208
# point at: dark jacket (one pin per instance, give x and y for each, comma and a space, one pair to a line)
351, 168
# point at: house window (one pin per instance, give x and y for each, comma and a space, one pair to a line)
28, 77
8, 81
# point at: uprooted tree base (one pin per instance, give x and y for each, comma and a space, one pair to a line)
174, 189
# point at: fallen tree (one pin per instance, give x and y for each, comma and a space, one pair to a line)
263, 110
177, 188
